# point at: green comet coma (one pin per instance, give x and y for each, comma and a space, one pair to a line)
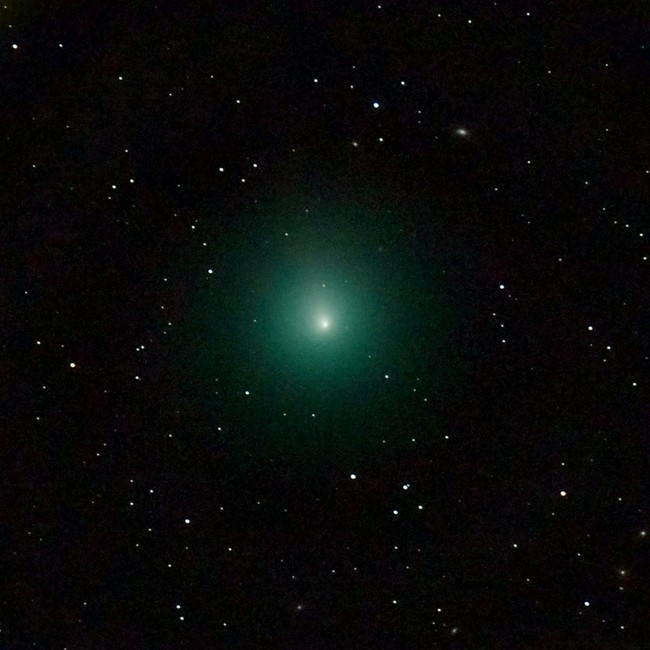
317, 326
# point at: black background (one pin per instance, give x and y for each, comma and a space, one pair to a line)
286, 550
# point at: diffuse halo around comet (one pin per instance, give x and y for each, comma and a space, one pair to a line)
312, 305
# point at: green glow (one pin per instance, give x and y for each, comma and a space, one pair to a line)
329, 319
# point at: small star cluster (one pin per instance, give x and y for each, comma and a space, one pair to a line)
324, 326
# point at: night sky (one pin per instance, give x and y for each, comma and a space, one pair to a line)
324, 325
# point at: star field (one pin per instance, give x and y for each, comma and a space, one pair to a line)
324, 326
